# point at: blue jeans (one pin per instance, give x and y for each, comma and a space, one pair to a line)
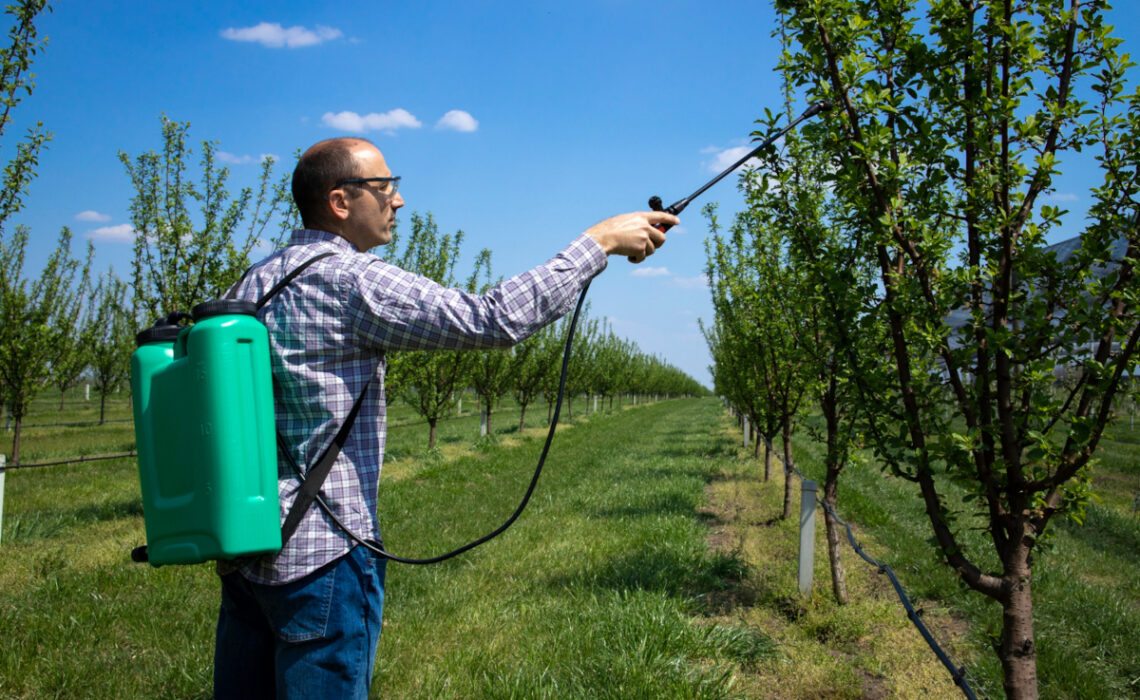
312, 638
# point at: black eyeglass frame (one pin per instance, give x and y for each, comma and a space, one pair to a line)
395, 180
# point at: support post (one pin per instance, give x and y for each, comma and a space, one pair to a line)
483, 423
747, 432
807, 535
3, 461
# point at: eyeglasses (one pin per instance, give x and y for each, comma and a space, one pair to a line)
390, 191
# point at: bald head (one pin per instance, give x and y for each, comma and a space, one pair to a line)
318, 170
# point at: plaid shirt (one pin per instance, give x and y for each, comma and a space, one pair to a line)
329, 330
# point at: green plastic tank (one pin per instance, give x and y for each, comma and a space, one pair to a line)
205, 436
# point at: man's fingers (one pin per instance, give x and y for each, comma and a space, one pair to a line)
661, 217
650, 248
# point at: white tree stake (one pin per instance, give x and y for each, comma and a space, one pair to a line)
807, 535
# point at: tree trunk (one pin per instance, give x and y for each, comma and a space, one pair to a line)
522, 417
768, 456
431, 434
62, 393
1017, 650
18, 420
834, 461
758, 443
787, 434
570, 407
549, 412
834, 536
102, 406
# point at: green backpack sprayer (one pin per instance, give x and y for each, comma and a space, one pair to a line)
207, 440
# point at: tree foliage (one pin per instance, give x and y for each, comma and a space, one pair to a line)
192, 239
111, 334
30, 324
951, 125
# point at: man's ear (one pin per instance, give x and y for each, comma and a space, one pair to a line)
338, 204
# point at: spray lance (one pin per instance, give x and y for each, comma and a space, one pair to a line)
679, 206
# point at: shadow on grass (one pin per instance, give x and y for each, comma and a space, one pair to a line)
661, 504
697, 575
1107, 530
46, 524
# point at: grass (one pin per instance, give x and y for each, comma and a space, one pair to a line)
865, 649
596, 592
649, 565
1086, 584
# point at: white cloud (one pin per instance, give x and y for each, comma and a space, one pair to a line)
457, 120
274, 36
728, 156
91, 215
262, 247
388, 121
650, 272
120, 233
244, 159
698, 282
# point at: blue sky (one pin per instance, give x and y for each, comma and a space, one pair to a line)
520, 123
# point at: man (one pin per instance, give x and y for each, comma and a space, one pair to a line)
305, 622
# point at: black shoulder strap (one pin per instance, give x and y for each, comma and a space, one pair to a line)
232, 293
312, 482
289, 278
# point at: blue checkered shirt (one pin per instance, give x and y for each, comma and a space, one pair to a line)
329, 330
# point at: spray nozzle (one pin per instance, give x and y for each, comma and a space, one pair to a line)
821, 106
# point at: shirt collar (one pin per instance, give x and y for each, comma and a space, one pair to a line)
310, 235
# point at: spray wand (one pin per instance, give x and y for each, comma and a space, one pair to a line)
679, 206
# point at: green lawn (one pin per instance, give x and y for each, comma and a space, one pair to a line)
649, 565
592, 594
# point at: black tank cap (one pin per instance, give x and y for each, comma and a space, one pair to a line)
224, 307
164, 330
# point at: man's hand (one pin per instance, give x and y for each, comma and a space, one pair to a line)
632, 235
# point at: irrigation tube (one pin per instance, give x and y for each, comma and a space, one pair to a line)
957, 673
72, 460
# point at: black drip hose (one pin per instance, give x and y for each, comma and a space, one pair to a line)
379, 548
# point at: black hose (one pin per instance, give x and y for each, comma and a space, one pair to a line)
379, 548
